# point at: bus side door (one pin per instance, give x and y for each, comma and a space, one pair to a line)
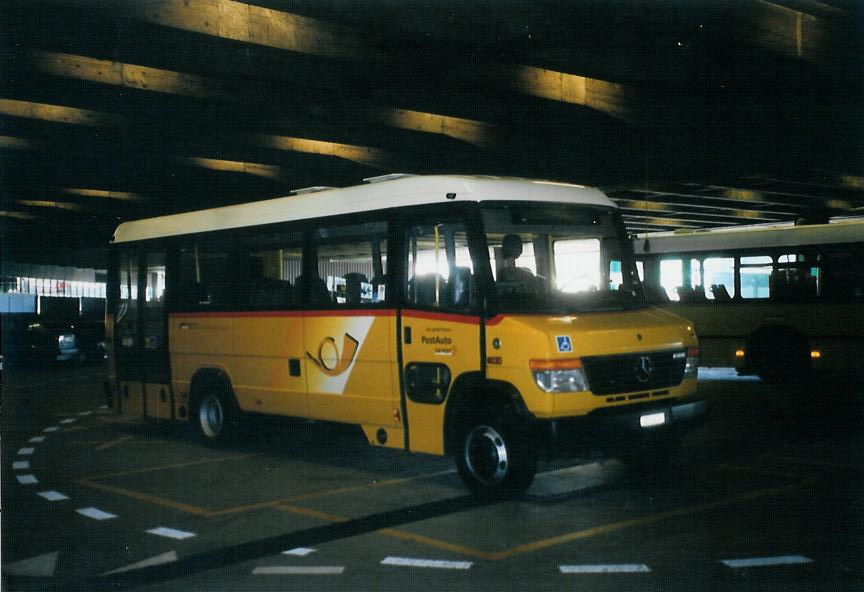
439, 324
127, 334
158, 396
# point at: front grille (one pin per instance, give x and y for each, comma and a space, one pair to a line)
634, 372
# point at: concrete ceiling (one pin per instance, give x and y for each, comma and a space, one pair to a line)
688, 113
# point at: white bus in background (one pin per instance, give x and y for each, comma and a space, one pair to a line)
777, 300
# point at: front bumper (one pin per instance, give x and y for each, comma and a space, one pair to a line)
614, 428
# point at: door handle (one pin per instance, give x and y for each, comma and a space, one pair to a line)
407, 335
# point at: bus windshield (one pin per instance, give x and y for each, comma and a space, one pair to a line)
559, 258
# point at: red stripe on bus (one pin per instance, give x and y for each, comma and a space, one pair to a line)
441, 316
496, 320
284, 313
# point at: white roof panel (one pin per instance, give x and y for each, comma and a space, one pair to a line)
751, 237
399, 192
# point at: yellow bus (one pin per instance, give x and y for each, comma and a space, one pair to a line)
458, 315
779, 300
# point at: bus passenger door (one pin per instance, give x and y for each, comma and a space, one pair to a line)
440, 335
127, 335
158, 397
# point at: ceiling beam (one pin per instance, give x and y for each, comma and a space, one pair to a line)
612, 98
103, 193
58, 113
13, 143
253, 24
365, 155
746, 194
17, 215
660, 221
663, 203
254, 169
128, 75
41, 203
471, 131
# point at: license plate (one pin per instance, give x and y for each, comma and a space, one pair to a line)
652, 419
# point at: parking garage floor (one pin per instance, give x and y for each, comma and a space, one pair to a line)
765, 495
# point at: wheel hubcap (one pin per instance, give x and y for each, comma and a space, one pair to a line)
486, 455
211, 416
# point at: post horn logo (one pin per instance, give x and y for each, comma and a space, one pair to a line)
329, 360
644, 369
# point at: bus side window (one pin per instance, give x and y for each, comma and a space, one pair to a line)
210, 274
351, 263
719, 274
755, 276
269, 261
795, 279
671, 277
843, 279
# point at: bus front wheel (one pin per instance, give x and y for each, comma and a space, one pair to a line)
217, 416
494, 455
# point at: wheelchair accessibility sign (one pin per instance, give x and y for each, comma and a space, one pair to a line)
565, 346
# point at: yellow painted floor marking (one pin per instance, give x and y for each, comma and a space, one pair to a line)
283, 503
390, 532
113, 443
326, 492
165, 467
284, 506
248, 507
437, 543
633, 522
145, 497
311, 513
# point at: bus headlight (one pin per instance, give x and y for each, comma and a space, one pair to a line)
559, 376
691, 366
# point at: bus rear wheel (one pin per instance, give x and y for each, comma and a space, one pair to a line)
494, 456
780, 357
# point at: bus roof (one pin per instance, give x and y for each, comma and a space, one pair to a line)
392, 191
750, 237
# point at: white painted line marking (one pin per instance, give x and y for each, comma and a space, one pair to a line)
20, 465
52, 496
284, 570
85, 413
52, 429
169, 557
605, 568
95, 513
25, 451
36, 439
766, 561
70, 420
171, 533
103, 407
299, 551
42, 566
27, 479
433, 563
